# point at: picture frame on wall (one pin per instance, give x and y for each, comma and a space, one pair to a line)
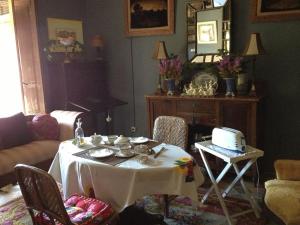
275, 10
149, 17
64, 30
207, 32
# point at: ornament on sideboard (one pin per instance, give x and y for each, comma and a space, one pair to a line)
97, 43
208, 88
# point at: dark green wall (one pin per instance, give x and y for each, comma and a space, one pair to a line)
280, 67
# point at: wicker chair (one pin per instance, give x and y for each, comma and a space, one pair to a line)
170, 130
45, 205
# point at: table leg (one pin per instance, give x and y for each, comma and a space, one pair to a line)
219, 178
215, 186
238, 177
249, 197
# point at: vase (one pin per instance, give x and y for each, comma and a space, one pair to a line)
170, 86
230, 86
242, 85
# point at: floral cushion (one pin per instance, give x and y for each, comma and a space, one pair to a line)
45, 127
83, 211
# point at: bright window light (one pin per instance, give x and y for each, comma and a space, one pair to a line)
10, 85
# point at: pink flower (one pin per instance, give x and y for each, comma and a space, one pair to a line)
171, 67
230, 66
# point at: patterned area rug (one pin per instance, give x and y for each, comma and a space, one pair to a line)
182, 212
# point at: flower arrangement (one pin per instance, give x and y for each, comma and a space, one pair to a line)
229, 66
170, 68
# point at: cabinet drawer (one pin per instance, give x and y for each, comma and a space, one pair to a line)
203, 106
199, 118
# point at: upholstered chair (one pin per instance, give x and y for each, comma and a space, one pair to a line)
171, 130
46, 207
283, 193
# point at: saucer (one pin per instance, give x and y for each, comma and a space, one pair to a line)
101, 153
122, 155
139, 140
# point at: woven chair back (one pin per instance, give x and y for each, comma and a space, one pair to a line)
171, 130
41, 193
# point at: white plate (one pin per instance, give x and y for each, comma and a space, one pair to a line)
139, 140
121, 155
101, 153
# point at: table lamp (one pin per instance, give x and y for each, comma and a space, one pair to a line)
97, 42
160, 53
254, 48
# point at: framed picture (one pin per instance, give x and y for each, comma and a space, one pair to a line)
149, 17
63, 28
275, 10
207, 32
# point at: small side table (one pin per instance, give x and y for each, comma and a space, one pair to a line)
231, 158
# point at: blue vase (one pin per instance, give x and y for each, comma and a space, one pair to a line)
230, 86
170, 86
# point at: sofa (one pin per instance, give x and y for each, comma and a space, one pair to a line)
29, 150
283, 193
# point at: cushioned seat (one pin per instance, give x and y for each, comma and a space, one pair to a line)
81, 209
31, 153
283, 194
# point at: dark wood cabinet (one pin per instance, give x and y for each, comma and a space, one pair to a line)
241, 113
238, 112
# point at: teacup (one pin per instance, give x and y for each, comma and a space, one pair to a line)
96, 139
111, 139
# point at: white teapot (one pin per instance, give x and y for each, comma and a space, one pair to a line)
96, 139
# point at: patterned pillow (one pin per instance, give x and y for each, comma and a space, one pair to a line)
45, 127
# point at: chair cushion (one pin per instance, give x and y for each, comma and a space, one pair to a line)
45, 127
280, 196
83, 211
14, 131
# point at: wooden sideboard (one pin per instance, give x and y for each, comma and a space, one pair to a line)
241, 113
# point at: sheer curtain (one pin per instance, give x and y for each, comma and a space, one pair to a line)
10, 84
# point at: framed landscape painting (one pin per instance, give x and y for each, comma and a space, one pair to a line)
275, 10
149, 17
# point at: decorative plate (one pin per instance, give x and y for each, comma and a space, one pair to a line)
203, 79
139, 140
101, 153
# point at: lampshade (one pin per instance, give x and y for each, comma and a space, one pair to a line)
160, 51
254, 46
97, 41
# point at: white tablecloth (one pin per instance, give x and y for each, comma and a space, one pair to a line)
123, 184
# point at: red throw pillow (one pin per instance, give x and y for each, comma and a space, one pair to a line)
45, 127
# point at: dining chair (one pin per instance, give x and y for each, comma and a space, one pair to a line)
170, 130
46, 207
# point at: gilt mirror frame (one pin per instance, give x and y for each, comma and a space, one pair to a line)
219, 15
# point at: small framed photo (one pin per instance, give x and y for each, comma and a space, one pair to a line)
207, 32
271, 10
149, 17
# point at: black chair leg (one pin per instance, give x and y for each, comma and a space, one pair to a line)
166, 200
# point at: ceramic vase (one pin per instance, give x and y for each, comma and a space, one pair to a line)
170, 86
242, 85
230, 86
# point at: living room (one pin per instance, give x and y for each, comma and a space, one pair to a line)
132, 72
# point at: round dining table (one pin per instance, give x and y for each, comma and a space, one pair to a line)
121, 183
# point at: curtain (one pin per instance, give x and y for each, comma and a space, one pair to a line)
29, 60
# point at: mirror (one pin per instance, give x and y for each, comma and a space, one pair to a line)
208, 29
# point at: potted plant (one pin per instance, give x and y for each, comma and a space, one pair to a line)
229, 67
170, 69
